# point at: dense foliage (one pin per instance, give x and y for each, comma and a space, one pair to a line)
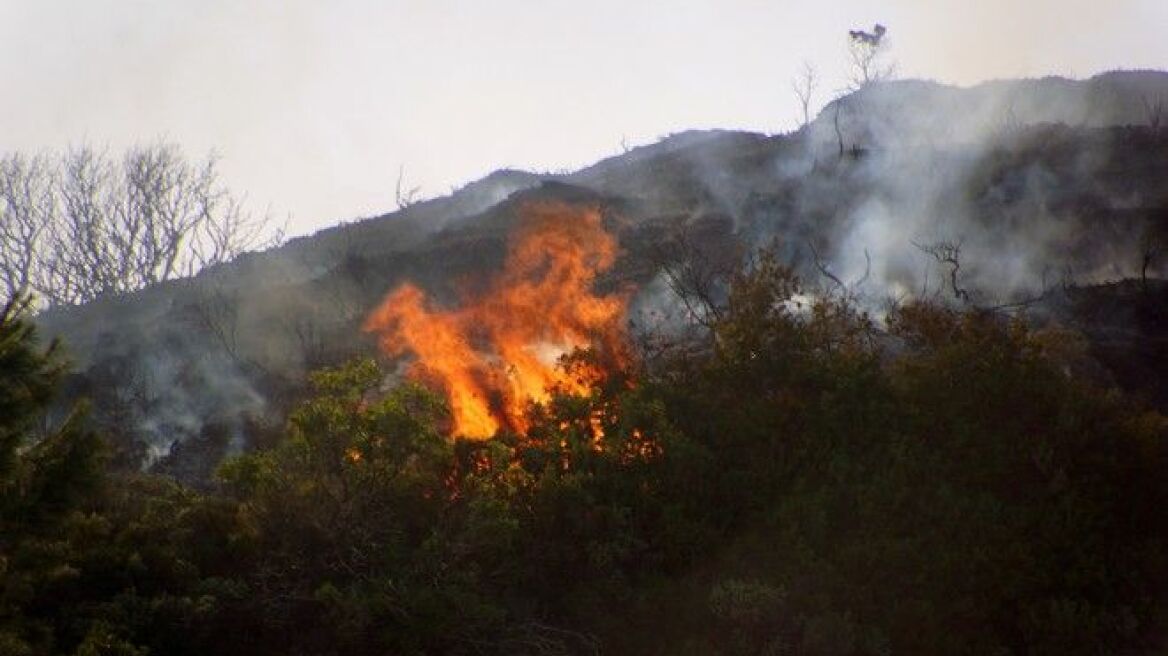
802, 481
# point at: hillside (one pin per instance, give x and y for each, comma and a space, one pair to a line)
890, 384
1046, 184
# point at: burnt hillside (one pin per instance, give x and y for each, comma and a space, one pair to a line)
1052, 188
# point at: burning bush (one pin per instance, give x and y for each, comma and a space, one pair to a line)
497, 352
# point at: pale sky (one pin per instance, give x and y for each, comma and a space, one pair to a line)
313, 105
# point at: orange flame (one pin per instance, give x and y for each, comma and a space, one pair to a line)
498, 352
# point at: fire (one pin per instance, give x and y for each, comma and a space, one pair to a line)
498, 352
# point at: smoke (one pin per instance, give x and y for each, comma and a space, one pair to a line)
154, 387
1021, 176
185, 395
200, 364
1021, 186
1027, 183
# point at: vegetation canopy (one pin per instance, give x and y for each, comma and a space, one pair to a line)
802, 480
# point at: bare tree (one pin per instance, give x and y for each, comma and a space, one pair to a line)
82, 224
804, 86
216, 310
865, 50
697, 268
404, 197
948, 253
837, 286
27, 208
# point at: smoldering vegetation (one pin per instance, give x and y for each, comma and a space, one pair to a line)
895, 386
1013, 193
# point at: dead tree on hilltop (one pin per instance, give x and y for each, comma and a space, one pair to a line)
865, 50
402, 196
948, 254
804, 86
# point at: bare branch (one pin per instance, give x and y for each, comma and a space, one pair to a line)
405, 197
81, 224
823, 270
867, 270
948, 253
838, 286
697, 272
27, 207
804, 86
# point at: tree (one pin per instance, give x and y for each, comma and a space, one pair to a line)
27, 379
937, 481
404, 196
78, 225
948, 254
47, 470
28, 206
42, 467
804, 86
697, 261
351, 512
865, 50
